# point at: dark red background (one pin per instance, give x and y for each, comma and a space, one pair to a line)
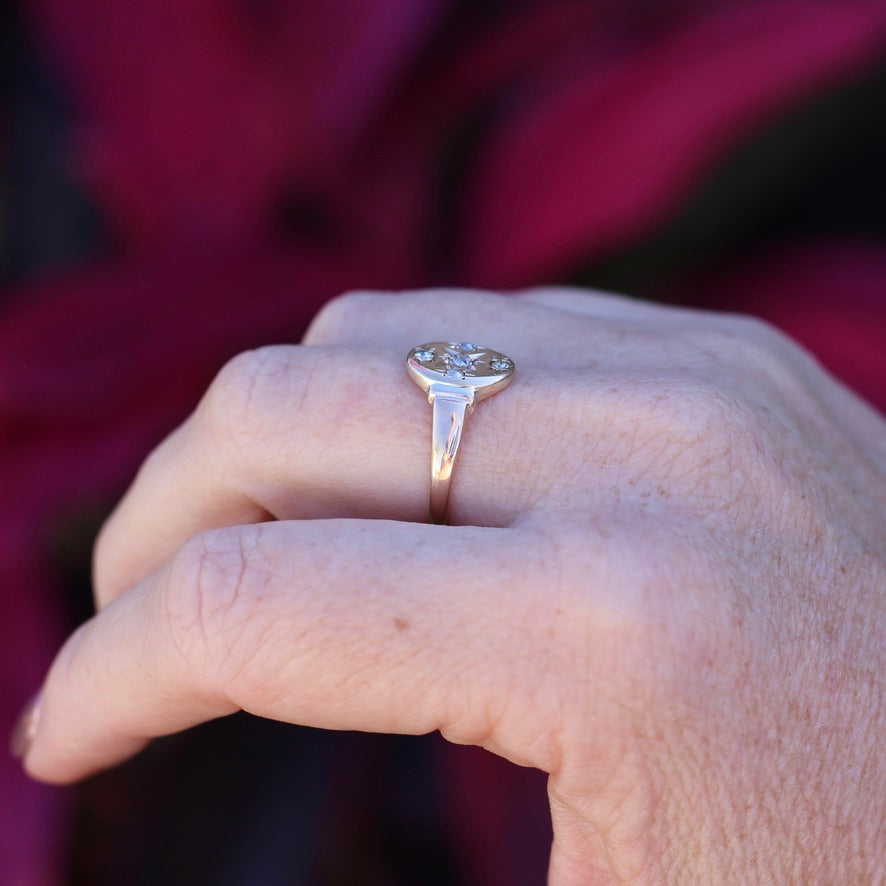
185, 180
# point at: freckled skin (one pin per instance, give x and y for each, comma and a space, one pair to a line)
663, 585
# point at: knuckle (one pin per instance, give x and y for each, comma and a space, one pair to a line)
749, 329
738, 445
241, 410
340, 316
705, 442
755, 350
246, 385
724, 438
708, 411
209, 598
696, 438
682, 415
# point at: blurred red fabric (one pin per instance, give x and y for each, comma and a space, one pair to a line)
195, 119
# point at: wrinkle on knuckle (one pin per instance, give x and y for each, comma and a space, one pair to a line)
740, 455
706, 428
697, 439
211, 603
181, 604
760, 358
241, 412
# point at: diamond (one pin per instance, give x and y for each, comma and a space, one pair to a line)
500, 365
454, 373
423, 355
465, 346
459, 361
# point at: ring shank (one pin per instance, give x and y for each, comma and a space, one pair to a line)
450, 410
455, 376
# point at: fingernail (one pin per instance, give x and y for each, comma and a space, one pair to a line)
25, 729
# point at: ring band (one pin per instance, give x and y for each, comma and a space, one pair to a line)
455, 376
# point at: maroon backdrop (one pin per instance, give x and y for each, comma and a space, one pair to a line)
251, 160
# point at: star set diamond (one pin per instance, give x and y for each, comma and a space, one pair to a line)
461, 360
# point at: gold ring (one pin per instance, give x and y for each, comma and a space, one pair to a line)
455, 376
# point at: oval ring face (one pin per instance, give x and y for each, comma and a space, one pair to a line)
460, 361
461, 364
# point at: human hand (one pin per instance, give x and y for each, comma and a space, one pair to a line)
663, 585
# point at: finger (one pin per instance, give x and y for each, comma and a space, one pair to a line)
609, 305
554, 329
334, 624
301, 433
599, 329
529, 322
590, 302
579, 855
587, 848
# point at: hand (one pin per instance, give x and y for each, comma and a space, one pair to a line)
662, 586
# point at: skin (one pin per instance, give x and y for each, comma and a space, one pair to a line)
664, 583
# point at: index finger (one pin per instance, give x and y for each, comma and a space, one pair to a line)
377, 626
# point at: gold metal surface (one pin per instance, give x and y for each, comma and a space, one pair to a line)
455, 376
